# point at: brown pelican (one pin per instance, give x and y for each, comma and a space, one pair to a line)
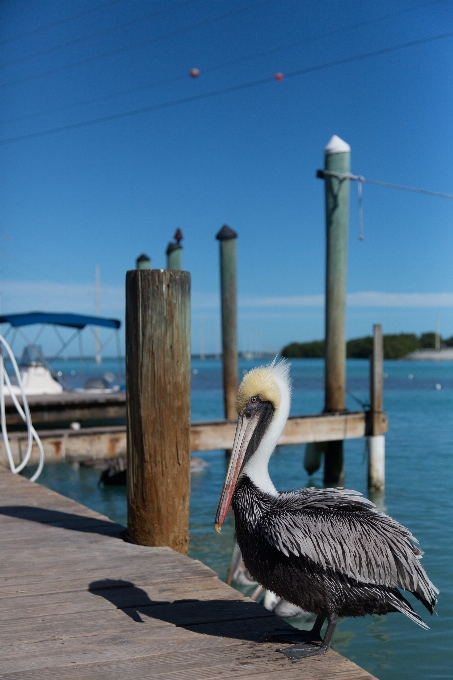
328, 551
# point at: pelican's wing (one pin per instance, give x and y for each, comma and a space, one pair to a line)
341, 530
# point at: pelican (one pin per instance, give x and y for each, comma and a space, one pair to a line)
328, 551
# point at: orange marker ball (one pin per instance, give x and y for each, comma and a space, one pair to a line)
279, 76
194, 72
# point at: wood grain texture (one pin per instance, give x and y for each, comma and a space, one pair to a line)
337, 212
77, 603
228, 292
158, 407
377, 381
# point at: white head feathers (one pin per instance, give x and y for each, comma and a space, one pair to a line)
269, 383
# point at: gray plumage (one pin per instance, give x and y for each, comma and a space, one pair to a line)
329, 550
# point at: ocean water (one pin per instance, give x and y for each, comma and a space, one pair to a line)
419, 494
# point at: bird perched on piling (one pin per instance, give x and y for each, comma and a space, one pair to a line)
328, 551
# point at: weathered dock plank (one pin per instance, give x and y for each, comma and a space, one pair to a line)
109, 442
78, 602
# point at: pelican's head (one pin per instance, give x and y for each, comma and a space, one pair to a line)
262, 403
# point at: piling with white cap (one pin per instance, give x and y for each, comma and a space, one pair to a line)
337, 159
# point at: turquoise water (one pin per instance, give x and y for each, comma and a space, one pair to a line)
419, 480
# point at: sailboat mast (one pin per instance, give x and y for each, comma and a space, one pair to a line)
97, 304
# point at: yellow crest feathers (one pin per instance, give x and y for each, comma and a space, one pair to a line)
263, 382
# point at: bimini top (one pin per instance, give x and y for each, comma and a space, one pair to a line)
58, 319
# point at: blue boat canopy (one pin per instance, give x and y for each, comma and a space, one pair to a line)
58, 319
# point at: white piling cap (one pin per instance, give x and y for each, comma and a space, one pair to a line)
336, 145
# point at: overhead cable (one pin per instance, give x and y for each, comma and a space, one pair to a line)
225, 90
76, 41
218, 67
59, 22
328, 34
142, 43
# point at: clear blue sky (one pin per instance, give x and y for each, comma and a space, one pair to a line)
105, 193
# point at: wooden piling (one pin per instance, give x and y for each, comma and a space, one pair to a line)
376, 440
158, 407
174, 252
227, 238
143, 262
337, 155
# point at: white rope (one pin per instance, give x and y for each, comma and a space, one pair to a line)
23, 412
359, 197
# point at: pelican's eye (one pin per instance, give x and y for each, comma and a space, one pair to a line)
252, 406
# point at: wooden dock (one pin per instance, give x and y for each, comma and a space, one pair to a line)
109, 442
77, 602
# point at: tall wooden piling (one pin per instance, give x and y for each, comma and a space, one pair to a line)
376, 440
337, 157
227, 238
158, 407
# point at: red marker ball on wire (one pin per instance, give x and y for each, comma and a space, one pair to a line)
279, 76
194, 72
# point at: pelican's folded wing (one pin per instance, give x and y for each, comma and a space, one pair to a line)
343, 531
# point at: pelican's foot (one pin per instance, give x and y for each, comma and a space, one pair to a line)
293, 636
303, 650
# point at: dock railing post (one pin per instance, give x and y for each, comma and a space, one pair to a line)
337, 157
158, 407
174, 252
143, 262
376, 440
227, 238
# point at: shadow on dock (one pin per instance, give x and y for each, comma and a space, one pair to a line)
236, 619
64, 520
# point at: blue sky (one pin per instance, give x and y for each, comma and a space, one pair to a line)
104, 193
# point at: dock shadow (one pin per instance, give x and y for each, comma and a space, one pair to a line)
237, 619
65, 520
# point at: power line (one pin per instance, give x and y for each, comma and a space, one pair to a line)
58, 23
225, 90
188, 2
99, 33
375, 53
328, 34
142, 43
225, 64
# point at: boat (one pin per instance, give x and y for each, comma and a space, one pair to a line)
36, 373
35, 376
442, 354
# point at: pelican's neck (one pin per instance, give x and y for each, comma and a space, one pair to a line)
256, 468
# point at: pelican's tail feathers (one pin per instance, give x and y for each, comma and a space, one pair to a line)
402, 605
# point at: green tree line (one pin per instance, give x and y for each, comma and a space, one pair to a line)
396, 346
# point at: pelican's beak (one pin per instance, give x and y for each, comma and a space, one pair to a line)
244, 432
